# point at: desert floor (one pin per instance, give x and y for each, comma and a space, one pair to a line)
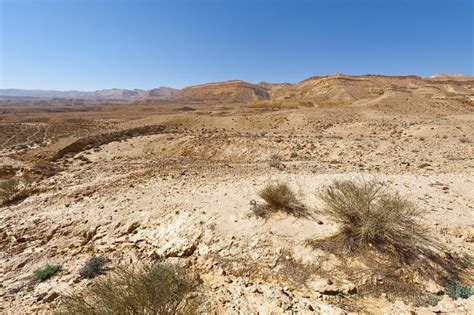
184, 193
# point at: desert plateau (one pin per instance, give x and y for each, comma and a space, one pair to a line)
246, 188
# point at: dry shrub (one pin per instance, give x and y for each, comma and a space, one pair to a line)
159, 289
281, 267
8, 188
275, 161
391, 252
93, 267
279, 197
296, 271
13, 190
372, 215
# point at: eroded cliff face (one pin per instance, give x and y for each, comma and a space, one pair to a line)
229, 91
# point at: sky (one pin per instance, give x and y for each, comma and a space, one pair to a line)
98, 44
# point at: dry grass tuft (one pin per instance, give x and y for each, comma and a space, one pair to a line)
13, 190
383, 245
279, 197
372, 215
159, 289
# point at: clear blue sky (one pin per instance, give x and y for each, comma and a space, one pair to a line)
89, 45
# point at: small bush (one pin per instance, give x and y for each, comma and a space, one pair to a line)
389, 251
458, 290
431, 300
160, 289
275, 162
14, 190
47, 272
371, 215
279, 197
83, 158
93, 267
8, 188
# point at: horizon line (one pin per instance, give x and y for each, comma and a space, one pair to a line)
239, 80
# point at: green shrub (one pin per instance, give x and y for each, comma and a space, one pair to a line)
83, 158
93, 267
47, 272
431, 300
159, 289
458, 290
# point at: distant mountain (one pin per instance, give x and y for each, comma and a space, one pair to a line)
108, 94
41, 93
335, 89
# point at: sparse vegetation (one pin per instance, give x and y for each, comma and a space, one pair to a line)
295, 271
371, 215
279, 197
93, 267
159, 289
47, 272
13, 190
431, 300
8, 188
83, 158
275, 161
458, 290
380, 230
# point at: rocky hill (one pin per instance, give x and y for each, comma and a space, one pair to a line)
336, 89
234, 91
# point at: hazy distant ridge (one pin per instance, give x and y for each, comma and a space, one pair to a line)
112, 94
